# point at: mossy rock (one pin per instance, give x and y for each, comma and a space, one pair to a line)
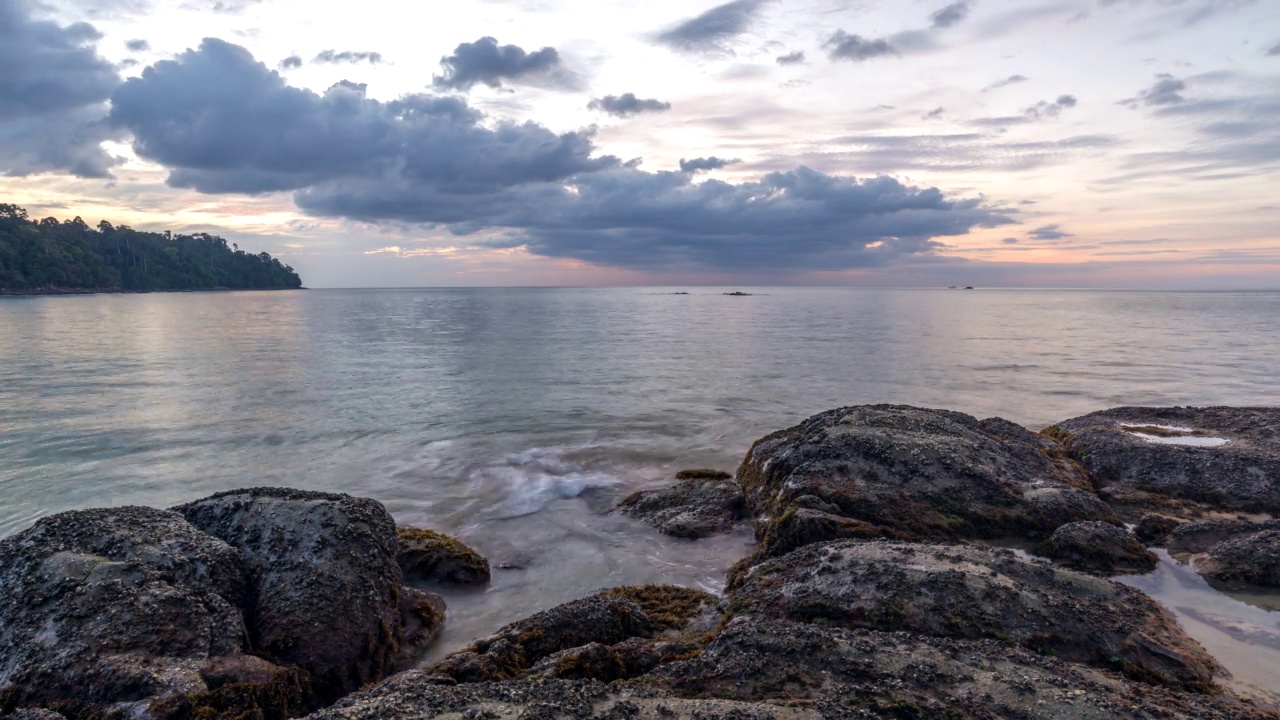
668, 607
703, 474
429, 556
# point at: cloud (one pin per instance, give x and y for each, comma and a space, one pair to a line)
796, 58
1274, 51
705, 163
290, 63
950, 15
843, 46
233, 7
1167, 91
1006, 82
137, 45
53, 89
335, 57
485, 62
1010, 241
933, 114
1046, 109
1048, 232
627, 104
222, 122
714, 29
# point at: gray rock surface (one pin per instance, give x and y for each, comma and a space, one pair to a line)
1153, 529
700, 504
1243, 474
1098, 547
1203, 535
326, 589
762, 669
115, 606
911, 473
433, 557
1252, 559
515, 649
972, 592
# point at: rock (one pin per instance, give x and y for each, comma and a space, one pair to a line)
903, 472
1253, 559
514, 649
1242, 474
326, 588
777, 670
703, 503
34, 714
416, 696
1153, 529
972, 592
862, 673
1098, 547
121, 605
671, 609
607, 663
423, 613
429, 556
1202, 536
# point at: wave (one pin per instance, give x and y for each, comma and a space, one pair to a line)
539, 476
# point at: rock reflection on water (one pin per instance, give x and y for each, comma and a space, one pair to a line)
1237, 629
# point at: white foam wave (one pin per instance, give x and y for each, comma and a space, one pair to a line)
537, 477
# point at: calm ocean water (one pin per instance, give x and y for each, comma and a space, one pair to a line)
515, 417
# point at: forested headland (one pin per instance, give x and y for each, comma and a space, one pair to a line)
51, 256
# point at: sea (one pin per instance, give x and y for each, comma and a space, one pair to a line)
516, 418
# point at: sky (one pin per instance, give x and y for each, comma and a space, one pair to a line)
1018, 143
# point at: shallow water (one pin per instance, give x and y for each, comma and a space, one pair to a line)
1244, 637
514, 417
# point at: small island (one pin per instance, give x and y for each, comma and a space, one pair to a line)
52, 257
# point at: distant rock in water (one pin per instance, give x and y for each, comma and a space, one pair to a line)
1098, 547
738, 294
52, 258
1219, 457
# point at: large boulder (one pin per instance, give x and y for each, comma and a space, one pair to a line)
1252, 559
115, 606
911, 473
974, 592
1220, 457
326, 590
1098, 547
433, 557
700, 504
777, 670
859, 673
1203, 535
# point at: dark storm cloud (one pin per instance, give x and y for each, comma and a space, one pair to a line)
627, 104
950, 15
794, 58
1006, 82
485, 62
222, 122
1167, 91
53, 89
712, 30
844, 46
336, 57
291, 63
137, 45
1048, 232
706, 163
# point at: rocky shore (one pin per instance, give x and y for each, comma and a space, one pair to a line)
877, 588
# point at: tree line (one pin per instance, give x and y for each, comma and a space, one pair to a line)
50, 254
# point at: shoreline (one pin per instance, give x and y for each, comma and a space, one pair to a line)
60, 292
871, 561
